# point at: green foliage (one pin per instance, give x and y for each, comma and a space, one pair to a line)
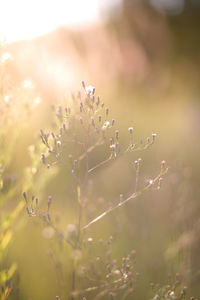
17, 104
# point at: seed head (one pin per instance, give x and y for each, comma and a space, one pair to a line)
43, 158
81, 107
24, 195
58, 143
154, 136
111, 141
117, 134
83, 84
136, 163
148, 140
163, 164
75, 163
98, 101
92, 122
28, 211
49, 202
130, 130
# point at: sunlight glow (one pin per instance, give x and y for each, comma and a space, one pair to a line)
26, 19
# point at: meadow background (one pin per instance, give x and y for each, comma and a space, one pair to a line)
144, 62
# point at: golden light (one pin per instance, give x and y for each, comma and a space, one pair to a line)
26, 19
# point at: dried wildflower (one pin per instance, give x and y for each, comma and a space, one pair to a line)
163, 164
130, 130
43, 158
49, 202
25, 196
154, 135
117, 134
89, 90
58, 143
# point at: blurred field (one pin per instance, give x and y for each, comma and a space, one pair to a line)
145, 66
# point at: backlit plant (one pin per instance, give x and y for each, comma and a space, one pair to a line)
78, 130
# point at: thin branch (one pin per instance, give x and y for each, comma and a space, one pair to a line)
93, 288
133, 196
101, 164
112, 157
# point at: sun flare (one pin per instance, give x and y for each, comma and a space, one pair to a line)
26, 19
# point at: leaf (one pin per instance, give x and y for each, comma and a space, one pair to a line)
6, 275
5, 240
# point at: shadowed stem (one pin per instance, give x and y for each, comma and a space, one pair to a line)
81, 195
80, 192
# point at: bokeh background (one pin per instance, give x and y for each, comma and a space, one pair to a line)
143, 57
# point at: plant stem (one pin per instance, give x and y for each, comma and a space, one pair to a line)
133, 196
73, 282
81, 195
